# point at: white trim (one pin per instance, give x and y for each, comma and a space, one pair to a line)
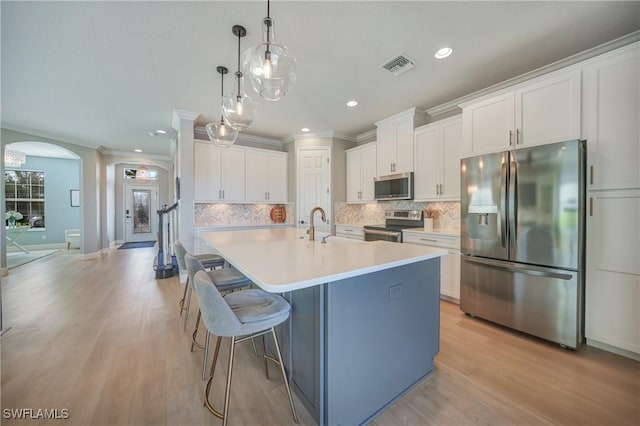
46, 135
554, 66
402, 114
613, 349
116, 153
181, 114
368, 136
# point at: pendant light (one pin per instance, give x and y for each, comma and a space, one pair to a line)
222, 134
238, 108
271, 69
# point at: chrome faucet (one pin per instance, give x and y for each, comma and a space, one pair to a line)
312, 230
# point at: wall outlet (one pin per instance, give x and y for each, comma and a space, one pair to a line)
395, 292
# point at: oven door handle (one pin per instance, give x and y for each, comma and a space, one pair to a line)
385, 233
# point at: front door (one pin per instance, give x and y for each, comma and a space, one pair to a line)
314, 184
140, 213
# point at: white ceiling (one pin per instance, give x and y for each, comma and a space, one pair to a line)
107, 73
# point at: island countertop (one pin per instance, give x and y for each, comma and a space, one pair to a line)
282, 260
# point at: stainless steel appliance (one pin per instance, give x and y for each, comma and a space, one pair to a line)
395, 222
393, 187
522, 240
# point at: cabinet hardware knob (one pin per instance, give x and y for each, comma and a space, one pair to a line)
510, 137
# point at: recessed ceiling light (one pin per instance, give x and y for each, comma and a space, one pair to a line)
304, 129
443, 52
137, 150
162, 132
352, 103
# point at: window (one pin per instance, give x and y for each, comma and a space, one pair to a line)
142, 174
24, 193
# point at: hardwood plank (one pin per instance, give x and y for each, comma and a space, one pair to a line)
103, 338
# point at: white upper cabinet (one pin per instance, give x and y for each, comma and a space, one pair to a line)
266, 173
543, 111
395, 142
438, 149
219, 173
611, 114
238, 174
361, 169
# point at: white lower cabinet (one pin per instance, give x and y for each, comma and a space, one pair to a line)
612, 312
350, 231
449, 264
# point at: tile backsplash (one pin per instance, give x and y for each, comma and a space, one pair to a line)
447, 213
218, 214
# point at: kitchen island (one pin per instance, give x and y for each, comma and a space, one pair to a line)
364, 326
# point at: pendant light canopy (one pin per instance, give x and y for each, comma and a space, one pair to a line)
270, 67
238, 108
222, 134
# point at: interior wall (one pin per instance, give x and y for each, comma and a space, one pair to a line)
119, 181
60, 176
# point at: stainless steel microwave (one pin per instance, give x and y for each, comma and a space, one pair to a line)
394, 187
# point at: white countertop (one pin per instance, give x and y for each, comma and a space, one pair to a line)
279, 260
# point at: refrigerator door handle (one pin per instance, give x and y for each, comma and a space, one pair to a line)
503, 205
538, 272
513, 202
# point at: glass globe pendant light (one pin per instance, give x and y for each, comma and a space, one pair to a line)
222, 134
270, 67
238, 108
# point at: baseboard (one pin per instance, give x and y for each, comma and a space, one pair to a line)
450, 299
4, 272
39, 247
614, 349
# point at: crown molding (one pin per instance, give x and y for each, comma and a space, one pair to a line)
181, 114
320, 134
200, 133
135, 155
368, 136
454, 104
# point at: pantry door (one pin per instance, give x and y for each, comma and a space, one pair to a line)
314, 183
140, 213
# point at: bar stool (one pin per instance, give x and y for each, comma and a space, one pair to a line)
225, 280
240, 315
209, 261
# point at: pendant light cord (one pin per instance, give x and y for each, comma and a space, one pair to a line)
239, 73
222, 94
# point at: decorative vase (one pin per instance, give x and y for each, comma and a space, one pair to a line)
428, 224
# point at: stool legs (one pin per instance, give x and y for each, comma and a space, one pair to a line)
184, 295
188, 302
224, 414
194, 343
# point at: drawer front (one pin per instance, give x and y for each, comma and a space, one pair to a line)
432, 240
349, 231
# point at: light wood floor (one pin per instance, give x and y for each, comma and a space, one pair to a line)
103, 339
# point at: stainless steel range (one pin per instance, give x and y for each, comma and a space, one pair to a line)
395, 222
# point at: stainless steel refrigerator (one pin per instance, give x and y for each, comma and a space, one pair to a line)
522, 240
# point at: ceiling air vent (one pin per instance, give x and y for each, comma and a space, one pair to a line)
399, 64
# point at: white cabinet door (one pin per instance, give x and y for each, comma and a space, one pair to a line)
404, 144
612, 111
489, 125
361, 169
368, 169
438, 149
256, 171
548, 111
206, 172
450, 275
353, 175
277, 177
232, 174
428, 162
451, 155
386, 151
613, 269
